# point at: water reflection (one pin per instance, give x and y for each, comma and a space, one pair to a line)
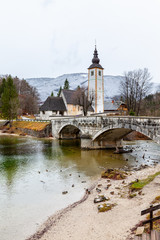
18, 156
34, 172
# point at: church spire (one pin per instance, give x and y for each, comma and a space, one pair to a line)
95, 60
95, 56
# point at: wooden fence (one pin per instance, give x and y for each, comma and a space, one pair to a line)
154, 235
145, 236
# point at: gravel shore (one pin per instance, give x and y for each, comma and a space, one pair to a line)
82, 220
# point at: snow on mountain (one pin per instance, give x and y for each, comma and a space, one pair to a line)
46, 85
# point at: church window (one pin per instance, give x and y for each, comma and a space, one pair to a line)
92, 73
99, 73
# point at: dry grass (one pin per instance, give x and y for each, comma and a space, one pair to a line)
36, 126
156, 200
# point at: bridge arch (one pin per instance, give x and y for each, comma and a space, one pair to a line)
117, 133
69, 131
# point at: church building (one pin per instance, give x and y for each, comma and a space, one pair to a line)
67, 104
96, 84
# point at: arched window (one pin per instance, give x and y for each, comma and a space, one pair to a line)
99, 73
92, 73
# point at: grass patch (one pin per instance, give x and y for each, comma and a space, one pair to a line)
139, 184
132, 195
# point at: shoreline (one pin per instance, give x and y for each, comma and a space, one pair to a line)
25, 136
53, 219
81, 219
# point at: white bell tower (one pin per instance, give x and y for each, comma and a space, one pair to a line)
96, 84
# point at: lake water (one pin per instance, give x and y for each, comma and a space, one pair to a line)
35, 172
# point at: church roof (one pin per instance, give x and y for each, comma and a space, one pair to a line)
70, 96
112, 105
53, 104
95, 60
57, 103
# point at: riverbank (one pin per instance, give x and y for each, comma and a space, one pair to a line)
82, 220
30, 128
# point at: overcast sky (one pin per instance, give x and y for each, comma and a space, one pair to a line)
47, 38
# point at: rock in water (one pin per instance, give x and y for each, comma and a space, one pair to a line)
64, 192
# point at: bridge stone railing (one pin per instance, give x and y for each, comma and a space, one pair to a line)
95, 125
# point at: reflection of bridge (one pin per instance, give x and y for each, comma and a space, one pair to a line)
102, 132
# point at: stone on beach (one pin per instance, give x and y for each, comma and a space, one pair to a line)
101, 198
114, 174
98, 190
105, 207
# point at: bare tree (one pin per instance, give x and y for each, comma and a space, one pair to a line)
158, 89
83, 99
151, 105
135, 86
28, 96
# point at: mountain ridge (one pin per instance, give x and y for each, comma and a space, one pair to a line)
46, 85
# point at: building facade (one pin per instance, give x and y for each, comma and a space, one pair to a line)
112, 107
65, 105
53, 106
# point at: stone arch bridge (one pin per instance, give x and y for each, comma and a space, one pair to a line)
97, 132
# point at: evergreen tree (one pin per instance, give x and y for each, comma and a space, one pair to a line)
2, 86
66, 84
59, 92
9, 99
52, 94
